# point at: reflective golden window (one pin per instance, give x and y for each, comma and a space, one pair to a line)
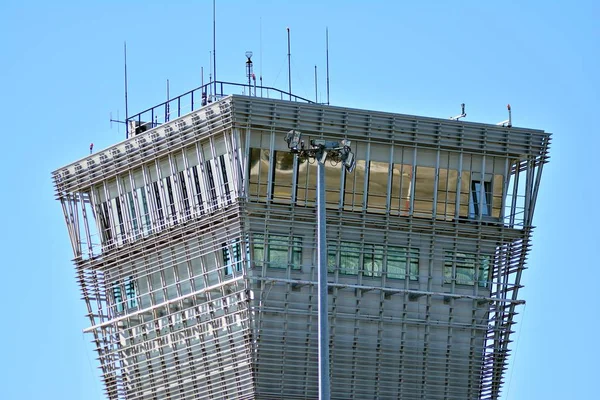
259, 173
283, 174
307, 182
378, 183
424, 187
354, 190
401, 189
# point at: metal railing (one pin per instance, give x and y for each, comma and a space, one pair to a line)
199, 97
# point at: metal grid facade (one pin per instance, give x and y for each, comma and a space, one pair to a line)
194, 246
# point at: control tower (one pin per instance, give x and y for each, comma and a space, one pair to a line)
194, 243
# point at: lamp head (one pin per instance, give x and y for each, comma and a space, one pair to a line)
349, 161
293, 139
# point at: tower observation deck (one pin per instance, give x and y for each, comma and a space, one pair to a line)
194, 243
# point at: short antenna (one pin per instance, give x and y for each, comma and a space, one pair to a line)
210, 84
116, 120
316, 98
167, 110
327, 57
126, 107
289, 65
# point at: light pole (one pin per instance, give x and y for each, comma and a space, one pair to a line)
321, 151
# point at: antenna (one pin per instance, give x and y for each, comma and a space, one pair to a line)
249, 72
215, 45
462, 113
316, 99
507, 122
327, 57
167, 110
289, 65
116, 120
126, 109
210, 86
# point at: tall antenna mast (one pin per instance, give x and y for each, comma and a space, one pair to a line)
215, 45
126, 109
327, 57
289, 65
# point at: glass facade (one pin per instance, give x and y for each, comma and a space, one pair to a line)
164, 193
277, 251
419, 182
373, 260
467, 269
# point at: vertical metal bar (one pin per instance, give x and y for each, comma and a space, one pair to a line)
295, 172
459, 187
150, 200
528, 189
506, 182
322, 275
535, 188
513, 204
388, 192
436, 181
367, 175
136, 206
482, 194
412, 183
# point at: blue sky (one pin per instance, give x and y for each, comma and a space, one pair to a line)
61, 66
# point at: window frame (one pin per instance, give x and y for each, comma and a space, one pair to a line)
291, 244
475, 204
478, 265
371, 253
232, 262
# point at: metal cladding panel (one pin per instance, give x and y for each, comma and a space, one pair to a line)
376, 126
389, 338
144, 147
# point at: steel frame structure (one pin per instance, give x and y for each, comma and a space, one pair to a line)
195, 248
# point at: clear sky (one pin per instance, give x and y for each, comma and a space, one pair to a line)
61, 66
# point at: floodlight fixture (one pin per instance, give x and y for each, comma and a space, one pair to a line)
349, 161
321, 155
293, 139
